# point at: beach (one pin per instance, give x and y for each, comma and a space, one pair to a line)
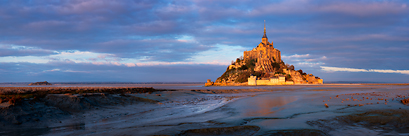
191, 109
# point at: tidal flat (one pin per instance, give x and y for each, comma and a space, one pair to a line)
190, 109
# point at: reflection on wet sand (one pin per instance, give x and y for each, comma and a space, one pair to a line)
267, 105
265, 110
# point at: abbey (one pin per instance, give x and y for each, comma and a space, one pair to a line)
263, 66
264, 54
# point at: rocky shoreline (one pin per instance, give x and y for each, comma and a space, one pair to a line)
39, 110
43, 105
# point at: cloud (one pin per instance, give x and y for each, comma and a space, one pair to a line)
52, 70
357, 8
83, 72
178, 63
340, 69
309, 64
13, 50
75, 56
304, 60
141, 34
365, 8
295, 56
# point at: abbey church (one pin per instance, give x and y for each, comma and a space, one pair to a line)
265, 53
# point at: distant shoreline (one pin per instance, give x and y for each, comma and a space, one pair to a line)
325, 84
112, 82
172, 85
366, 84
108, 82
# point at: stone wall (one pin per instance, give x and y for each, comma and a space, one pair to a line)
252, 80
272, 81
263, 82
289, 82
281, 79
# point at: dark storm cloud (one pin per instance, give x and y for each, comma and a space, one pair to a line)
357, 34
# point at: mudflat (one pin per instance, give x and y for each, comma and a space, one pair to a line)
335, 109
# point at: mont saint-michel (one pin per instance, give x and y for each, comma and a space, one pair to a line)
263, 66
138, 67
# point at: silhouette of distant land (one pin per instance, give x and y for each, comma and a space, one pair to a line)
40, 83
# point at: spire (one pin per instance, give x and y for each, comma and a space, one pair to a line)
264, 27
264, 36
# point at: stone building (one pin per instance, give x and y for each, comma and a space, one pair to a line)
265, 54
280, 80
252, 80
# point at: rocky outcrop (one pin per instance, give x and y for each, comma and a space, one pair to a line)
265, 63
240, 72
405, 101
55, 107
40, 83
296, 76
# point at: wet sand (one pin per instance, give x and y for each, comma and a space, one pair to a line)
261, 110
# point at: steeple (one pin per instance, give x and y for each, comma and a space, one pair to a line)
264, 36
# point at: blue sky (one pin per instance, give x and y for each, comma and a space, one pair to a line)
195, 40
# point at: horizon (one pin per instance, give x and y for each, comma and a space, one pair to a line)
192, 41
117, 82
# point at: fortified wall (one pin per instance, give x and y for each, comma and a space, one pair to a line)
280, 80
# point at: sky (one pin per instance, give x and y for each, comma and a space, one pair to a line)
195, 40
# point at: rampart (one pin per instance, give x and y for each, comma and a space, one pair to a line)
252, 80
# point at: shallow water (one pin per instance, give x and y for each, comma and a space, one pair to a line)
275, 108
283, 110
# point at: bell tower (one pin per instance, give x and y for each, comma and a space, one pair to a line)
264, 40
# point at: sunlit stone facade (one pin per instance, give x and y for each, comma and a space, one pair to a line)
264, 53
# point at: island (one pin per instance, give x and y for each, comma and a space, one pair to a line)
263, 66
40, 83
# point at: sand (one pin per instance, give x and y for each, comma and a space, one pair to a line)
194, 110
